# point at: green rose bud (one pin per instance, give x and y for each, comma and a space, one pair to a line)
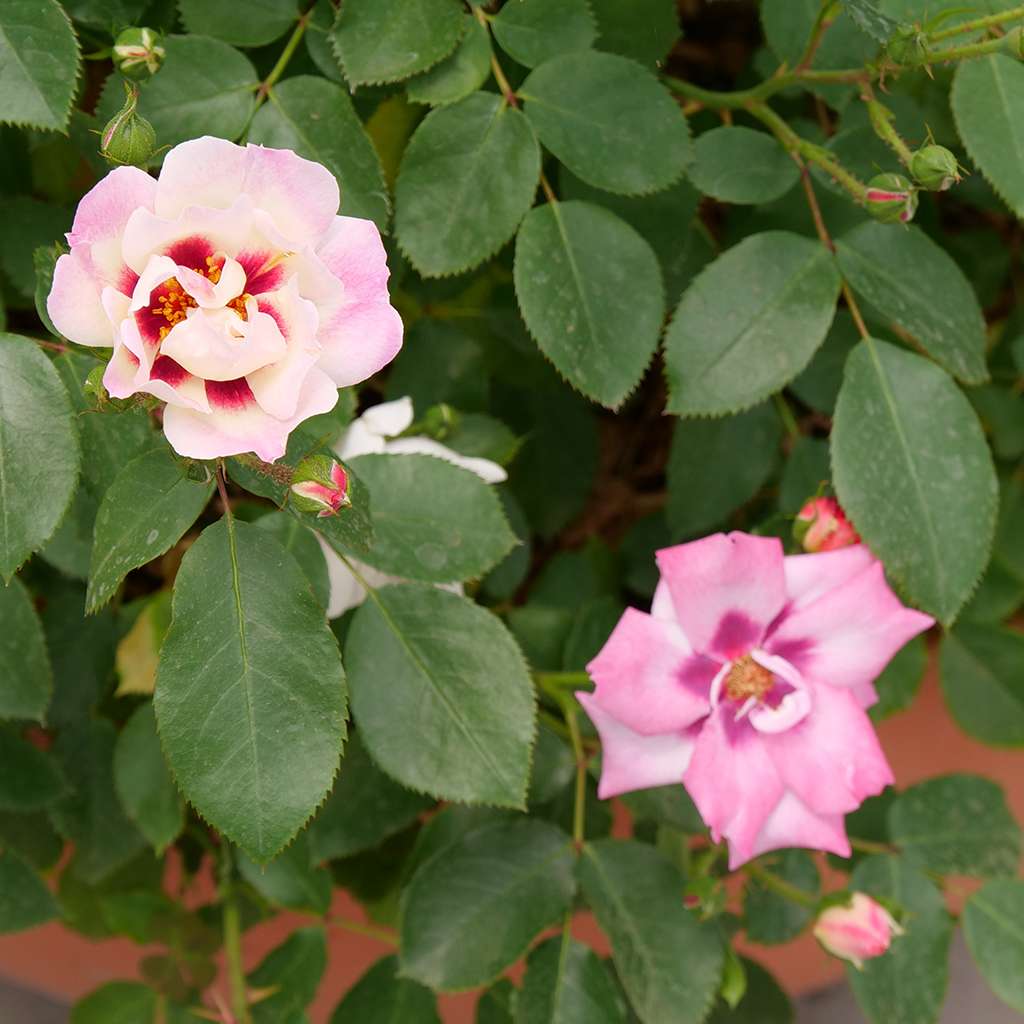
1014, 42
891, 199
908, 46
137, 53
438, 422
320, 485
934, 168
128, 139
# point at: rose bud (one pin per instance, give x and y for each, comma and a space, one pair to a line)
1014, 42
908, 45
934, 168
856, 931
821, 525
891, 199
320, 485
137, 53
128, 139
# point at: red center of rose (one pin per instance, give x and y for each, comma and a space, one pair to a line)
173, 302
747, 679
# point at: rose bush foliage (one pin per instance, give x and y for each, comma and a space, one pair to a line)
499, 462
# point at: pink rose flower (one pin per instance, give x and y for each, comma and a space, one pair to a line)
229, 289
821, 525
859, 931
748, 683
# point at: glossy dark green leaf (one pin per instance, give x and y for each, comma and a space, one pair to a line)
388, 40
38, 451
609, 120
669, 964
26, 680
29, 223
250, 692
451, 214
457, 75
818, 385
728, 349
293, 970
983, 681
914, 283
533, 31
290, 880
598, 320
470, 913
24, 899
992, 926
913, 472
315, 118
143, 781
770, 918
900, 680
740, 165
644, 29
31, 778
262, 21
422, 665
382, 996
302, 545
870, 19
147, 508
957, 825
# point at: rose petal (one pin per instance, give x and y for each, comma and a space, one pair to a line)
793, 824
808, 577
74, 303
489, 472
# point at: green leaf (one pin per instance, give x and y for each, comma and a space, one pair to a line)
533, 31
715, 466
770, 918
24, 899
116, 1002
458, 75
290, 880
956, 825
804, 473
598, 320
364, 808
32, 837
871, 20
316, 119
262, 22
205, 87
388, 40
908, 984
643, 29
900, 680
294, 970
39, 62
28, 224
467, 178
302, 545
609, 120
987, 99
818, 385
665, 805
434, 521
149, 506
26, 680
381, 995
740, 165
38, 451
915, 284
44, 259
250, 692
995, 936
498, 1004
669, 964
31, 778
143, 781
727, 348
91, 815
913, 472
983, 680
567, 983
764, 1001
520, 872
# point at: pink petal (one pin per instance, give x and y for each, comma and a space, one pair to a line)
726, 590
733, 780
641, 680
848, 635
172, 383
793, 824
119, 375
75, 304
808, 577
630, 761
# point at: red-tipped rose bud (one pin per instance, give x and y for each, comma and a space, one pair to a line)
934, 168
891, 199
856, 931
822, 526
320, 485
137, 53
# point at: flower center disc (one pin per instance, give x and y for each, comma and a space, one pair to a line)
747, 679
173, 302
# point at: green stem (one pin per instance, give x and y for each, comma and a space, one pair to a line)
881, 120
870, 846
499, 75
978, 24
579, 808
221, 477
769, 87
554, 684
282, 62
781, 886
233, 942
786, 415
369, 930
821, 23
966, 51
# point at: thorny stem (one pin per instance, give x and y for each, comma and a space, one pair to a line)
781, 886
233, 943
499, 76
976, 24
821, 23
881, 120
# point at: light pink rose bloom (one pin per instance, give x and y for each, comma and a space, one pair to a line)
858, 931
229, 289
748, 683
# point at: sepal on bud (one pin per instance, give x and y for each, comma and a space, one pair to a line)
934, 168
128, 138
821, 525
891, 199
857, 930
320, 485
908, 46
137, 53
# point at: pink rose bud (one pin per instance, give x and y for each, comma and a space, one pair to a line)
856, 931
822, 526
320, 485
891, 199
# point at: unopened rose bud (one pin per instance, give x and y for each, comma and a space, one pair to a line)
822, 526
439, 421
908, 46
891, 199
934, 168
128, 139
856, 931
137, 53
1014, 42
320, 485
